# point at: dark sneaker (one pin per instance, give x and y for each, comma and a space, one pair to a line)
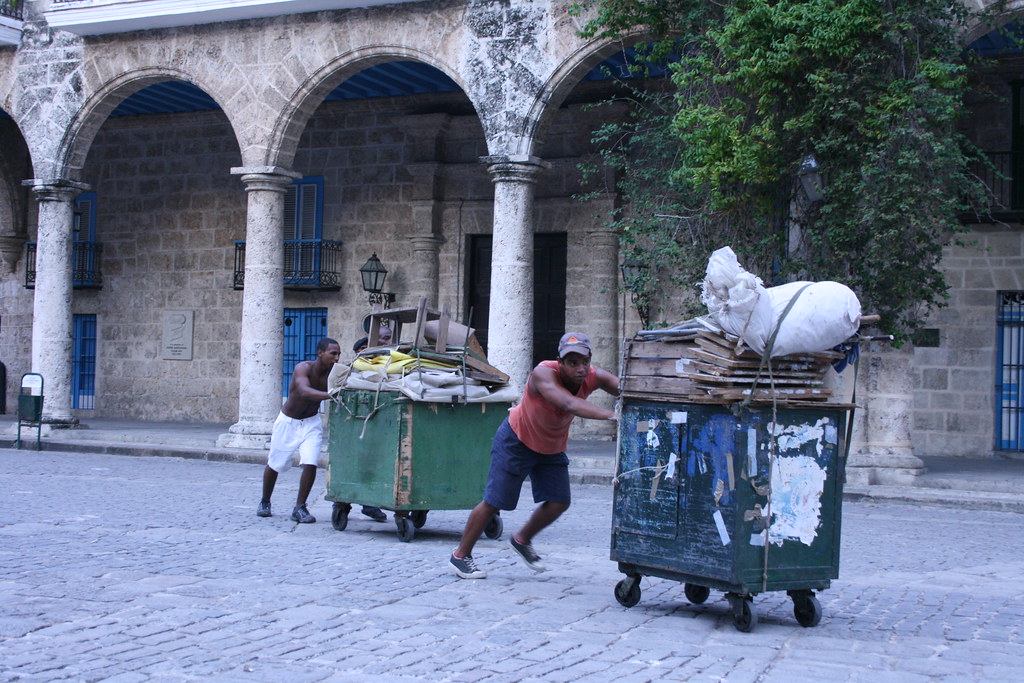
466, 568
302, 516
375, 513
531, 558
263, 509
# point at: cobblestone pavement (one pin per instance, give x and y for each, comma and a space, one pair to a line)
130, 569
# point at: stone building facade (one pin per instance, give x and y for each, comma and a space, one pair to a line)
440, 184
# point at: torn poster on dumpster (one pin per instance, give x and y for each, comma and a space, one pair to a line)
798, 481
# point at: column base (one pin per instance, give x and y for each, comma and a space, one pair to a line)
886, 467
251, 435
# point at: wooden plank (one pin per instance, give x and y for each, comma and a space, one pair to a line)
635, 349
711, 369
471, 361
657, 367
805, 394
746, 381
659, 385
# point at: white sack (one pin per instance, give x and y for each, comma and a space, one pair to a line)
737, 300
824, 315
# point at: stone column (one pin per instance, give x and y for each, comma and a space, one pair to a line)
881, 450
423, 278
262, 338
510, 316
602, 319
51, 309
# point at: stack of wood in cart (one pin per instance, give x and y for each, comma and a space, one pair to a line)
697, 363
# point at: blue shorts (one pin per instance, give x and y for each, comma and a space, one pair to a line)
512, 461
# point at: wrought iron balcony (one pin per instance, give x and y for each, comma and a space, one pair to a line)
12, 9
85, 265
1005, 179
308, 265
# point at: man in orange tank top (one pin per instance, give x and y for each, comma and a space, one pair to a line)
531, 443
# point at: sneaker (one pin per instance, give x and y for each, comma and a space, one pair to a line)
466, 568
375, 513
530, 557
301, 515
263, 509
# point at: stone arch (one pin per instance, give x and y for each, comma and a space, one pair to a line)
1006, 13
563, 79
80, 132
284, 139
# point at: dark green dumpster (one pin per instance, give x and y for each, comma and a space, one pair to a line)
409, 456
742, 503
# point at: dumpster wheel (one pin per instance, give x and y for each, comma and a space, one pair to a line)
339, 516
806, 608
419, 518
743, 616
494, 527
627, 591
406, 528
696, 594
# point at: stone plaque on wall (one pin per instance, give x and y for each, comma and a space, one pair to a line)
177, 339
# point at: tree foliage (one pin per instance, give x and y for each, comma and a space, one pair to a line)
870, 90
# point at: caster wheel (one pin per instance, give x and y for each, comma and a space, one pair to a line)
627, 591
339, 516
743, 616
696, 594
807, 610
419, 518
494, 527
406, 529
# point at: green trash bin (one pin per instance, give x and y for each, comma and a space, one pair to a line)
30, 406
409, 456
742, 503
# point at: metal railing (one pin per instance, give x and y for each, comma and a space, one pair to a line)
308, 265
12, 8
1005, 179
85, 265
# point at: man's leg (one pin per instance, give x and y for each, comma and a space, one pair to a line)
550, 483
300, 514
461, 560
478, 519
543, 516
269, 480
305, 484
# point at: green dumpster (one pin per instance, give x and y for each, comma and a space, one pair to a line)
409, 456
742, 503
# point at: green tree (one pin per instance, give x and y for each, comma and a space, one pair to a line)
868, 90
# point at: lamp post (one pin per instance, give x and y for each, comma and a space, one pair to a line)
373, 274
633, 275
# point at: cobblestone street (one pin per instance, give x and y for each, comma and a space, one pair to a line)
139, 568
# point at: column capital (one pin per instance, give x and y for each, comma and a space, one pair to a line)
428, 243
603, 237
55, 189
521, 168
270, 178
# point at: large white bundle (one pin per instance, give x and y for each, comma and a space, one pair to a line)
823, 315
737, 300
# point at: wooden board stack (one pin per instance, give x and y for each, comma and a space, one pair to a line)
704, 366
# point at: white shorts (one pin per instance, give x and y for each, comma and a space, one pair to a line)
289, 435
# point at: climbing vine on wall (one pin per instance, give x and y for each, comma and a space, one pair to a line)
818, 138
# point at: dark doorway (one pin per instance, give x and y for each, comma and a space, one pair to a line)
549, 265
